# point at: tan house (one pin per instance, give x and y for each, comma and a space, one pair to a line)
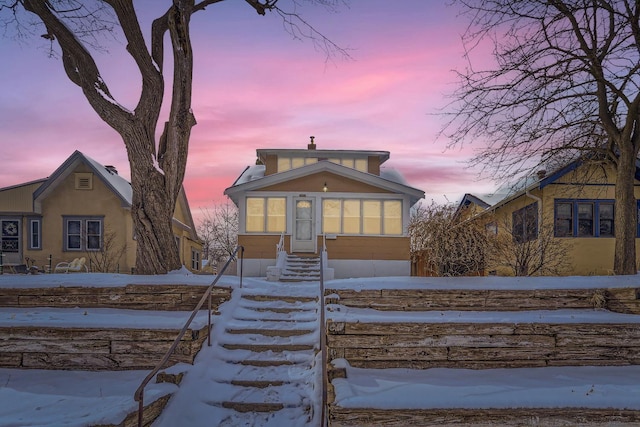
574, 205
341, 204
82, 210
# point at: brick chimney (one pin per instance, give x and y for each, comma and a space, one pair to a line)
312, 145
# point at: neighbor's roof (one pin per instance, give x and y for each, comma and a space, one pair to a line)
120, 186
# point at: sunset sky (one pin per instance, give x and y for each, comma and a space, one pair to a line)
257, 87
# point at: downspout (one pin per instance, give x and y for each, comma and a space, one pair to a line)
539, 200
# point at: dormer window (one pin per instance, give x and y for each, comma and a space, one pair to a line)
84, 181
287, 163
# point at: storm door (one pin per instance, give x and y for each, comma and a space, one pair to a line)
304, 239
10, 244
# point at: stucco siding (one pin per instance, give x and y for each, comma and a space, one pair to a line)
100, 201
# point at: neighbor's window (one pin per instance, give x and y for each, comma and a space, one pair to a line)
266, 214
584, 218
356, 216
195, 259
35, 233
82, 234
524, 223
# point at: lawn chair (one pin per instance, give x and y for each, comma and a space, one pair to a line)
75, 266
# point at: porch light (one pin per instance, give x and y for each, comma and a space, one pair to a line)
325, 188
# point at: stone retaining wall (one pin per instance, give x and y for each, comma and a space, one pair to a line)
621, 300
137, 297
94, 349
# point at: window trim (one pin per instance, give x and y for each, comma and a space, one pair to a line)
362, 202
265, 214
32, 221
83, 247
195, 259
575, 225
526, 212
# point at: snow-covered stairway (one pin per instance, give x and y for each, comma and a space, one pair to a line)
263, 368
301, 269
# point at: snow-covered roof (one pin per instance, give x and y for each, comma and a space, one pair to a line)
120, 186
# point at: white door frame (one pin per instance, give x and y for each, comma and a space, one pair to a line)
305, 244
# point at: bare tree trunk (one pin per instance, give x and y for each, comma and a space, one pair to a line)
625, 214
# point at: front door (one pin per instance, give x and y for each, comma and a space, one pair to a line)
10, 232
304, 239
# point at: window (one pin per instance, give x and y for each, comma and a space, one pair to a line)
361, 164
287, 163
35, 233
195, 259
356, 216
82, 234
584, 218
525, 223
564, 219
266, 214
10, 236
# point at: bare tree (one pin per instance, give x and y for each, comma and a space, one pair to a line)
219, 231
448, 246
540, 255
565, 84
107, 258
157, 166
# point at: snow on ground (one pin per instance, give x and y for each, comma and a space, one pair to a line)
77, 398
552, 387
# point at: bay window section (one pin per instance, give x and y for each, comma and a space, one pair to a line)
266, 214
371, 217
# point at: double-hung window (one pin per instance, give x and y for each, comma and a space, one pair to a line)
525, 223
83, 233
35, 233
584, 218
266, 215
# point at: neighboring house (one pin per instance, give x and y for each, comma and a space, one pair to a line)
574, 203
82, 210
306, 199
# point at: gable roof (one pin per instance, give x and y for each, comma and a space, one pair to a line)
253, 179
120, 186
521, 186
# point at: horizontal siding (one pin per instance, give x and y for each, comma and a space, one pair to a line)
368, 247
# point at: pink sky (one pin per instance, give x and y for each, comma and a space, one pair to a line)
256, 87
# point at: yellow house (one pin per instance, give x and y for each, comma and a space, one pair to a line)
341, 204
82, 210
569, 213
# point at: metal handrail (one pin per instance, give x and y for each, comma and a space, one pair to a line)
280, 245
323, 345
139, 394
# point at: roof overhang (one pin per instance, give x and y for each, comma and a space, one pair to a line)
324, 166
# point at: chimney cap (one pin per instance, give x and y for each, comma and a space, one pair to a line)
312, 145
